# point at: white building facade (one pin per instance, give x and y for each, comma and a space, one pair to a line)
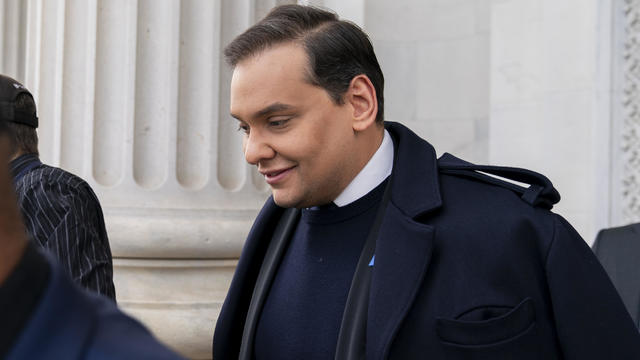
133, 97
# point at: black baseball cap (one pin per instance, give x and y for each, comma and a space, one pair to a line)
9, 91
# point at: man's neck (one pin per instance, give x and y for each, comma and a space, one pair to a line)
378, 167
16, 155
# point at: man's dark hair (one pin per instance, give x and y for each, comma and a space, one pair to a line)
24, 137
337, 50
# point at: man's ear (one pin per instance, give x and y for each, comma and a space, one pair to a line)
362, 98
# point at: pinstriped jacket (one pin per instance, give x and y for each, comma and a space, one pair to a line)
63, 215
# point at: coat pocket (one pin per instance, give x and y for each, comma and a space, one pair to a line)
511, 335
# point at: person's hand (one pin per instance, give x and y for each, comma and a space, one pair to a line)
12, 235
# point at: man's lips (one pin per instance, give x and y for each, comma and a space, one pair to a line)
274, 176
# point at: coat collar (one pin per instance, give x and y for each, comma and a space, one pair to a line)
416, 189
23, 164
404, 246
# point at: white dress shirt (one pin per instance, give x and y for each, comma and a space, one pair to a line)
375, 172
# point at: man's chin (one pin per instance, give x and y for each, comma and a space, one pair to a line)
286, 201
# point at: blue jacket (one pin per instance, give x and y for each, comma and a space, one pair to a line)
467, 266
70, 323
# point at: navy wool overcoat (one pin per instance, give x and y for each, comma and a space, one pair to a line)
467, 266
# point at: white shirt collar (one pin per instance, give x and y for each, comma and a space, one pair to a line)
375, 172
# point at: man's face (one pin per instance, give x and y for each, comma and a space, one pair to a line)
299, 139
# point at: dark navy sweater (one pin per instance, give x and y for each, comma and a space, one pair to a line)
302, 314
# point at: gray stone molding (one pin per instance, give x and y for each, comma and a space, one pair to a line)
626, 104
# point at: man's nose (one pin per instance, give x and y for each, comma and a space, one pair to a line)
256, 148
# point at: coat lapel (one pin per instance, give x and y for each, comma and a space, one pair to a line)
272, 258
405, 242
402, 257
230, 325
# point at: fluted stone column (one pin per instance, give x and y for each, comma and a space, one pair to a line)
12, 37
133, 97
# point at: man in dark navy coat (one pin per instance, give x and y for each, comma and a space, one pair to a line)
370, 247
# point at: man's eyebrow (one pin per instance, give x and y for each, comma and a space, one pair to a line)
275, 107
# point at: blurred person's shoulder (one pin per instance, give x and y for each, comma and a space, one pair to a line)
72, 323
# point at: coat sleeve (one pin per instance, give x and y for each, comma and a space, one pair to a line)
590, 318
